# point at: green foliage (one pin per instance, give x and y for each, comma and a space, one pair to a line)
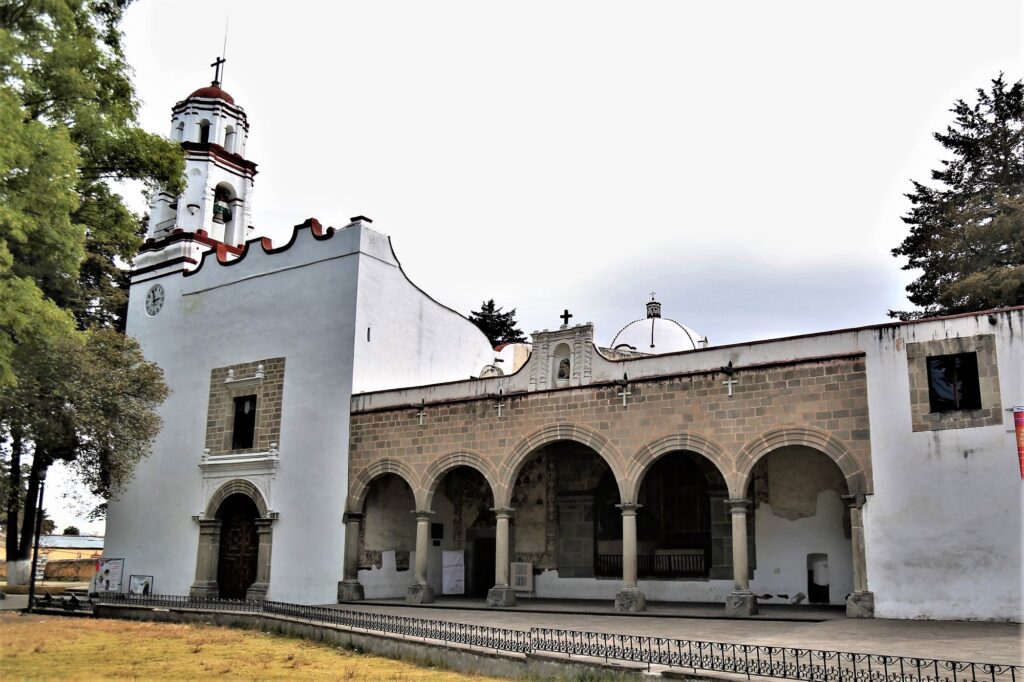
70, 389
967, 234
71, 530
498, 326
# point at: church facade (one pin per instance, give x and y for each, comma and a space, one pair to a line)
333, 433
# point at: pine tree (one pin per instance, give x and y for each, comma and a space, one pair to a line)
967, 234
499, 327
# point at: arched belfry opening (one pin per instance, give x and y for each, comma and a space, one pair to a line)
238, 554
226, 207
204, 131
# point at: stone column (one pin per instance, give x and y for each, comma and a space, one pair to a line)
501, 594
205, 584
741, 601
861, 602
420, 592
264, 530
349, 589
630, 598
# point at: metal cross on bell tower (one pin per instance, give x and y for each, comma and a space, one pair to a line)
217, 69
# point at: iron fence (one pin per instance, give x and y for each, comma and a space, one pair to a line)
751, 660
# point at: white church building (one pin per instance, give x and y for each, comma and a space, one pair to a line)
334, 433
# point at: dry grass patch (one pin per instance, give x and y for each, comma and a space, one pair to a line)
89, 648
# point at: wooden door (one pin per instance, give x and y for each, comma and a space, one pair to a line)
239, 547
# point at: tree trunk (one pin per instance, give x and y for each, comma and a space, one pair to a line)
28, 521
14, 493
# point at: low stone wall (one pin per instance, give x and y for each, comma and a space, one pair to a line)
457, 657
74, 570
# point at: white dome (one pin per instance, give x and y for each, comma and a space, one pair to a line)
657, 334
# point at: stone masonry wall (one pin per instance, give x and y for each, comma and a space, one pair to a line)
818, 403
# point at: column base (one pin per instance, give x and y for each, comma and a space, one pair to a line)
257, 591
419, 594
207, 588
741, 604
501, 597
630, 600
350, 590
860, 605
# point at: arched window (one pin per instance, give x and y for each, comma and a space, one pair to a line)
229, 139
179, 131
204, 131
223, 196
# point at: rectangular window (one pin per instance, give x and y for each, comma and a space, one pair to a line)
953, 382
245, 423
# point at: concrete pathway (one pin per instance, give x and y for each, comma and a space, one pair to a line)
946, 640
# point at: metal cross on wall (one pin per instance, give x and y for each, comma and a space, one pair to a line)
565, 316
217, 69
625, 392
501, 403
423, 411
730, 383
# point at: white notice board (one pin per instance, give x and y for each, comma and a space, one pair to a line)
453, 572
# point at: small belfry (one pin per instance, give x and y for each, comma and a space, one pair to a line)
216, 203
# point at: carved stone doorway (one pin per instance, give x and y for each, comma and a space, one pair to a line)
238, 555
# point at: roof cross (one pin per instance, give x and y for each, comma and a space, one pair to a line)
217, 65
565, 317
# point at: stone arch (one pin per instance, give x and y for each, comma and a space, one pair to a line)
526, 446
237, 485
359, 487
462, 458
822, 441
653, 451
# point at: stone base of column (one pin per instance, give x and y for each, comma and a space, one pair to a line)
630, 600
860, 605
419, 594
206, 588
741, 604
350, 590
501, 597
257, 591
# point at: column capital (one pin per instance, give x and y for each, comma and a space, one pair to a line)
422, 514
352, 517
264, 525
503, 512
209, 525
738, 505
629, 508
856, 500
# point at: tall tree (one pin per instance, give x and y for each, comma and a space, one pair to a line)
967, 232
498, 326
68, 127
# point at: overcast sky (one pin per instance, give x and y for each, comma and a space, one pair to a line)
745, 160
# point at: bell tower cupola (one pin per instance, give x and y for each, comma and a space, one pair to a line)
217, 202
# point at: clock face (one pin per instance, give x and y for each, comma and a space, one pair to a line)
154, 299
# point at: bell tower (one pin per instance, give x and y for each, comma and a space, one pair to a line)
216, 205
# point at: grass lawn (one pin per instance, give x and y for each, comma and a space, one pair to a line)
80, 648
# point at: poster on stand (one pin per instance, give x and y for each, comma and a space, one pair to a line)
108, 575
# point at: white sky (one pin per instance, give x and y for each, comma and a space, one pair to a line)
745, 160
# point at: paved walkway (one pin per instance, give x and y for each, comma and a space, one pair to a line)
946, 640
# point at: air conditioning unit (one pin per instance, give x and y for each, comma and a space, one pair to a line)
522, 576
